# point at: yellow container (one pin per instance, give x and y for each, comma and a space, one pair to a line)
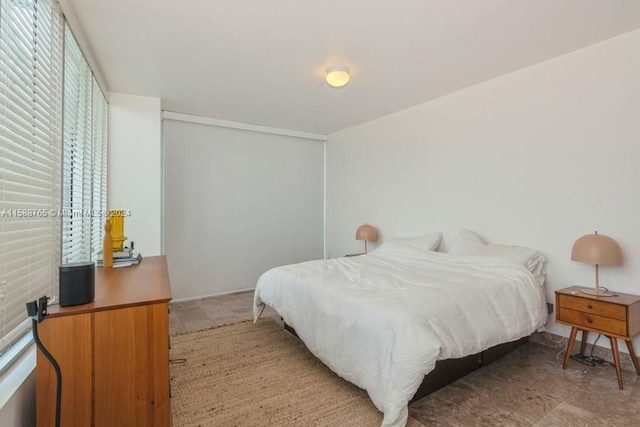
117, 229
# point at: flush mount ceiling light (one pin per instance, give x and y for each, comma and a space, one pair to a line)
337, 76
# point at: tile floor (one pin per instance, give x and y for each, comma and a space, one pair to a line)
526, 388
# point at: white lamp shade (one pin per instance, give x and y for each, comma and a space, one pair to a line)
337, 76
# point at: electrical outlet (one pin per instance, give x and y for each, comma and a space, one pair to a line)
549, 308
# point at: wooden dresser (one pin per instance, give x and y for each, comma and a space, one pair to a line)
113, 352
614, 316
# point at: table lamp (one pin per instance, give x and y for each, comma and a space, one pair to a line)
597, 249
367, 233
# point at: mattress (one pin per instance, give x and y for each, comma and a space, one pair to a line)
382, 320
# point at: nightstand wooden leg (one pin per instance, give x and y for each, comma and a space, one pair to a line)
616, 359
632, 353
583, 344
572, 340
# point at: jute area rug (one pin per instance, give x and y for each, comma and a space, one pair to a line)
260, 375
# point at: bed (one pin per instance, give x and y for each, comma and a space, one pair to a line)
383, 320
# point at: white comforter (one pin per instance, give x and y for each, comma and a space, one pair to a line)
382, 320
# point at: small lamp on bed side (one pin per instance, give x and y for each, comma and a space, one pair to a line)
597, 249
367, 233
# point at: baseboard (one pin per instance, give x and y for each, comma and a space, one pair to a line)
240, 291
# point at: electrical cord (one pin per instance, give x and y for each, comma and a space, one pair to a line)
55, 365
594, 344
582, 359
597, 359
591, 360
37, 315
560, 341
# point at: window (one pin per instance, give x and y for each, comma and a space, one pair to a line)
84, 157
53, 174
30, 150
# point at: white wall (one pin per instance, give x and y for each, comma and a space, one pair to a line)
20, 410
135, 168
535, 158
237, 203
18, 392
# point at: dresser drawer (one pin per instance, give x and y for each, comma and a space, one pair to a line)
586, 305
592, 321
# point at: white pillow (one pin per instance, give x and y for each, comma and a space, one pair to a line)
428, 242
469, 243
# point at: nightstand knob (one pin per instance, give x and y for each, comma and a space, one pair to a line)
589, 306
590, 320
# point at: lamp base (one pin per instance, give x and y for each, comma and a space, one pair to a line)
597, 292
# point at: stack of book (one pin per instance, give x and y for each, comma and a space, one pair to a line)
121, 258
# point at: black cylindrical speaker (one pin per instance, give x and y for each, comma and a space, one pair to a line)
77, 283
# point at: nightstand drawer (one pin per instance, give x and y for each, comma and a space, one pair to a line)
592, 321
586, 305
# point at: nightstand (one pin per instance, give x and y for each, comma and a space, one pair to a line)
615, 317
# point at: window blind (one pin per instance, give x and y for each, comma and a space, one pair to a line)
30, 157
98, 164
84, 157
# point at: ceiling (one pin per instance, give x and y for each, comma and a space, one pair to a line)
263, 61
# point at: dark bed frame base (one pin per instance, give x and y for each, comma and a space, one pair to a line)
450, 370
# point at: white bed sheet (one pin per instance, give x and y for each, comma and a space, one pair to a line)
382, 320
